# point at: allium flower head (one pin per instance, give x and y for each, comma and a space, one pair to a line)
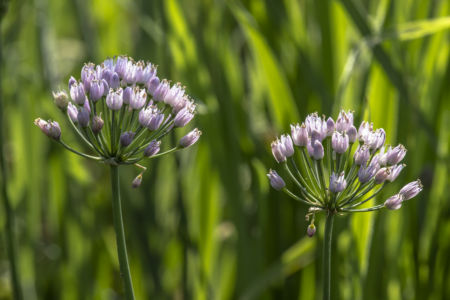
122, 110
327, 177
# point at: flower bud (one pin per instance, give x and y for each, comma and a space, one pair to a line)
337, 183
190, 138
311, 230
97, 124
366, 173
376, 139
139, 98
351, 132
121, 65
288, 146
395, 155
61, 99
382, 175
394, 202
161, 90
173, 96
330, 126
77, 93
315, 149
137, 181
364, 131
114, 82
153, 148
314, 123
362, 155
126, 138
278, 150
152, 85
72, 80
83, 116
114, 100
275, 180
344, 121
72, 111
49, 128
299, 135
395, 171
411, 189
97, 90
339, 142
183, 117
128, 94
151, 117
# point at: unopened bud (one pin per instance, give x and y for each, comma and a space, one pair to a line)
190, 139
97, 124
311, 230
50, 128
137, 181
61, 99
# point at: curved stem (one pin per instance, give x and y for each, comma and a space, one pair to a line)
120, 234
326, 273
77, 152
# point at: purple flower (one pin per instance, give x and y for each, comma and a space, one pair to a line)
339, 142
114, 82
152, 148
366, 173
299, 135
128, 94
152, 85
190, 138
151, 117
411, 189
311, 230
315, 149
394, 172
351, 132
278, 150
97, 124
114, 100
382, 175
330, 126
183, 117
395, 155
126, 138
161, 90
344, 121
362, 155
288, 146
49, 128
77, 93
174, 95
137, 181
275, 180
83, 115
72, 81
121, 65
97, 90
376, 139
337, 183
364, 130
72, 111
314, 123
138, 99
394, 202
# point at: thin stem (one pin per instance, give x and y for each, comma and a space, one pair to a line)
373, 195
120, 234
295, 197
327, 256
380, 206
77, 152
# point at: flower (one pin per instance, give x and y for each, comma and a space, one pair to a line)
337, 183
329, 179
50, 128
411, 190
190, 139
275, 180
311, 230
122, 110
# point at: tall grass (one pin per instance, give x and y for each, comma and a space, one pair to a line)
211, 228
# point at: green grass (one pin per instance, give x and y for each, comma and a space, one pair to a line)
205, 224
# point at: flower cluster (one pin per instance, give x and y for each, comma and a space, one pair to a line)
332, 176
121, 109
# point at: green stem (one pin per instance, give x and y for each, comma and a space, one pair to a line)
120, 234
79, 153
326, 273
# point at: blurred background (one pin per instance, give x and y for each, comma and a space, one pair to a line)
205, 223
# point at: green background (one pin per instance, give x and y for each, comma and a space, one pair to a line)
205, 223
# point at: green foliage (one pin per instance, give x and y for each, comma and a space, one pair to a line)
204, 224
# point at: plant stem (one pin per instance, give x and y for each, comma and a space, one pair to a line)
326, 273
120, 234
